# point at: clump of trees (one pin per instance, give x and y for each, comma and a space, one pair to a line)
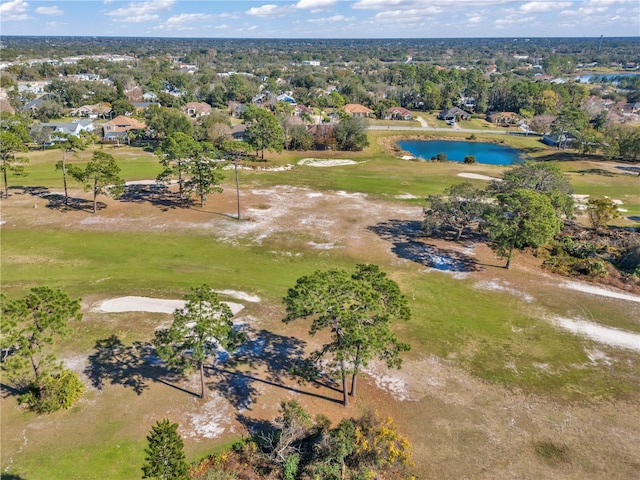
357, 310
31, 326
298, 446
525, 209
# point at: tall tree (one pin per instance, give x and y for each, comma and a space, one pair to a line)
601, 211
10, 144
264, 130
30, 327
69, 144
13, 139
522, 218
541, 177
205, 173
351, 134
458, 208
197, 329
162, 122
164, 455
101, 176
174, 152
357, 309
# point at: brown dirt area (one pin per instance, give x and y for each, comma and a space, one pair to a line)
460, 426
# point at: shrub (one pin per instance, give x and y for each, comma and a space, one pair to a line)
469, 159
53, 392
441, 157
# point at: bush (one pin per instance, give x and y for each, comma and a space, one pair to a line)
54, 392
469, 159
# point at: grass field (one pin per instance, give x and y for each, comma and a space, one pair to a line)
489, 378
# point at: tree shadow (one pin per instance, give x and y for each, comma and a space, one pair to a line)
408, 243
596, 171
131, 366
275, 357
11, 476
156, 194
56, 200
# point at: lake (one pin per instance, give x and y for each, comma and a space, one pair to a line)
487, 153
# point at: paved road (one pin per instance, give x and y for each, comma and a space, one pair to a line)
454, 128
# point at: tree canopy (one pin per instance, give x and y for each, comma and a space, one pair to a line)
203, 325
522, 218
357, 309
164, 456
101, 176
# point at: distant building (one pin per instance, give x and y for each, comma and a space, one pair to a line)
357, 110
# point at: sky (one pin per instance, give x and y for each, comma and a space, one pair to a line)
322, 18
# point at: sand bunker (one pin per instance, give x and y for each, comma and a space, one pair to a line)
477, 176
320, 162
607, 335
146, 304
581, 287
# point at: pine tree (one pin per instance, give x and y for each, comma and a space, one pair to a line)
165, 458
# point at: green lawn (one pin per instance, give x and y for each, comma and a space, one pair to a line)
495, 335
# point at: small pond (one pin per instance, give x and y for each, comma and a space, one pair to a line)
487, 153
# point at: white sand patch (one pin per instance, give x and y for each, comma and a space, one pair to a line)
605, 292
342, 193
240, 295
616, 202
607, 335
320, 162
408, 157
314, 195
212, 419
384, 380
322, 246
146, 304
597, 356
477, 176
496, 286
580, 198
405, 196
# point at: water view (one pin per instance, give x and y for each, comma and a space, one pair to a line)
487, 153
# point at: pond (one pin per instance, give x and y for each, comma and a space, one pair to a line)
486, 153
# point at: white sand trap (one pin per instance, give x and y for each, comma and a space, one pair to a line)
319, 162
581, 287
477, 176
405, 196
146, 304
211, 420
247, 297
607, 335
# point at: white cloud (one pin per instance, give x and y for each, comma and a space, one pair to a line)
186, 19
267, 11
333, 19
475, 19
138, 12
420, 4
14, 10
49, 10
316, 5
252, 27
513, 20
541, 7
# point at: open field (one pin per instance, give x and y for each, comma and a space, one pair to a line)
495, 386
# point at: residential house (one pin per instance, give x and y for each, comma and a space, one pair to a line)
239, 132
357, 110
142, 106
36, 103
563, 140
119, 128
397, 113
55, 129
454, 114
301, 110
503, 118
196, 109
283, 97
